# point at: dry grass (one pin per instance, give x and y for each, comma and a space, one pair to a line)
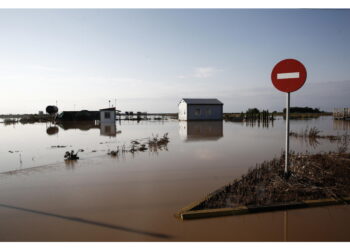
312, 177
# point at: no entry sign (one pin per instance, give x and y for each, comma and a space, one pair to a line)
288, 75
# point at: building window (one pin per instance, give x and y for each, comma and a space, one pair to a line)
107, 115
197, 112
208, 111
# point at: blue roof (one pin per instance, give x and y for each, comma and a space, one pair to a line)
211, 101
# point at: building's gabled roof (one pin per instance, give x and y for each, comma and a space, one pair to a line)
108, 109
210, 101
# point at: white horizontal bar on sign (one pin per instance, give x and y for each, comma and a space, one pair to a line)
288, 75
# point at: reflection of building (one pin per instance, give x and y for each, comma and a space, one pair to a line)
82, 125
201, 130
341, 125
108, 129
200, 109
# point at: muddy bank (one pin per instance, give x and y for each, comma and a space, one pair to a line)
312, 177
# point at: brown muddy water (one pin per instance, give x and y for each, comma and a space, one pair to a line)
135, 197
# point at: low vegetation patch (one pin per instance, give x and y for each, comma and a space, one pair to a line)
9, 121
153, 144
312, 177
314, 133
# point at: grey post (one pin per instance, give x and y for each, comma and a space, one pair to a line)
287, 134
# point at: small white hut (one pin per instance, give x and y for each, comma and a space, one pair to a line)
107, 115
191, 109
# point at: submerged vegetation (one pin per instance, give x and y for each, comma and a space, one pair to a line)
314, 133
71, 155
153, 144
311, 177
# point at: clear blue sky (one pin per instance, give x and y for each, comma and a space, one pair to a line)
149, 59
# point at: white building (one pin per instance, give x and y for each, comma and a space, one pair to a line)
200, 109
107, 115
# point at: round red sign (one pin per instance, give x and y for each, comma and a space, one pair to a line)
288, 75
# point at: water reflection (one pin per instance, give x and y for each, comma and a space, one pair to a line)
201, 130
341, 125
82, 125
313, 142
52, 130
106, 129
70, 164
259, 123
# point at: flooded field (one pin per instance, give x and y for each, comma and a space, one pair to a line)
134, 197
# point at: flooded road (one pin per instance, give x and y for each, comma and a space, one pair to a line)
134, 198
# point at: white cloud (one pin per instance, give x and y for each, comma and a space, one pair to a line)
204, 72
201, 72
182, 77
45, 68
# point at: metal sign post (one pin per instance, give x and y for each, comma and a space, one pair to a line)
288, 75
287, 135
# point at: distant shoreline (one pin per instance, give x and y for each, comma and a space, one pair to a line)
172, 114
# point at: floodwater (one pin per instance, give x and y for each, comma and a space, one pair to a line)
134, 197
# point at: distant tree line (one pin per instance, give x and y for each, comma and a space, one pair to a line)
303, 110
256, 114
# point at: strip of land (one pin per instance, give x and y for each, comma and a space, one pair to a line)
318, 177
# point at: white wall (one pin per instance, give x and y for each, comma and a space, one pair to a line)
105, 119
182, 111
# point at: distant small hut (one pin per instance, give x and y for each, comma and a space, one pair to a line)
107, 115
195, 109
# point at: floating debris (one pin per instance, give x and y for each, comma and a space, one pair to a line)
59, 146
14, 151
